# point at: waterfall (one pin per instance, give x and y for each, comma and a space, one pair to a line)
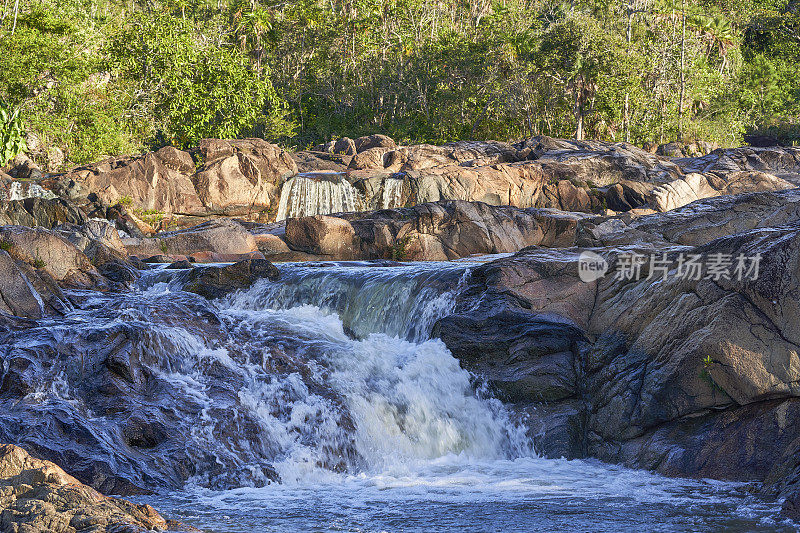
317, 193
17, 192
397, 300
329, 370
369, 326
392, 193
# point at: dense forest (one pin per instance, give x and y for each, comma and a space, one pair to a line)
100, 77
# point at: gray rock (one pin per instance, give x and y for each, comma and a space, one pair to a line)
215, 282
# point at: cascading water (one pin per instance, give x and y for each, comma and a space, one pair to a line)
322, 193
391, 193
317, 193
328, 382
18, 191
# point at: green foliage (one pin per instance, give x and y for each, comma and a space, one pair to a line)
12, 140
400, 249
5, 245
194, 92
101, 78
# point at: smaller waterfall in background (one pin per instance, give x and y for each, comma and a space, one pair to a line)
17, 192
317, 193
323, 193
392, 193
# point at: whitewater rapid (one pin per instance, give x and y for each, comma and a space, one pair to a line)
319, 402
434, 451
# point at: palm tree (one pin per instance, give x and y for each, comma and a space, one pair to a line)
718, 33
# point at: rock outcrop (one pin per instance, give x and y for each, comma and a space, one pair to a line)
247, 177
216, 240
689, 376
233, 175
428, 232
158, 181
37, 495
241, 175
43, 212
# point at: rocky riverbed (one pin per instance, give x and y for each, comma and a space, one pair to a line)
136, 378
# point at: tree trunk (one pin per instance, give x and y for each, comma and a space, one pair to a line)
682, 73
578, 115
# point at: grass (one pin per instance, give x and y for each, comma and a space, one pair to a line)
6, 246
125, 201
400, 249
150, 216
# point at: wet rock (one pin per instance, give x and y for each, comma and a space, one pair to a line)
120, 271
689, 377
17, 296
157, 259
180, 265
791, 507
215, 282
98, 239
37, 495
523, 357
123, 422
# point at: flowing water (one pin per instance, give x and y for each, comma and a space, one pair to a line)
317, 193
322, 193
319, 402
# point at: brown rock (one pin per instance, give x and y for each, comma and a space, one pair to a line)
322, 235
214, 282
345, 146
373, 141
249, 177
37, 495
50, 253
221, 236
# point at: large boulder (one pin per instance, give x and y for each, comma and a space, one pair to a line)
373, 141
52, 254
157, 181
219, 236
215, 282
44, 212
322, 235
689, 376
429, 232
241, 174
37, 495
18, 297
